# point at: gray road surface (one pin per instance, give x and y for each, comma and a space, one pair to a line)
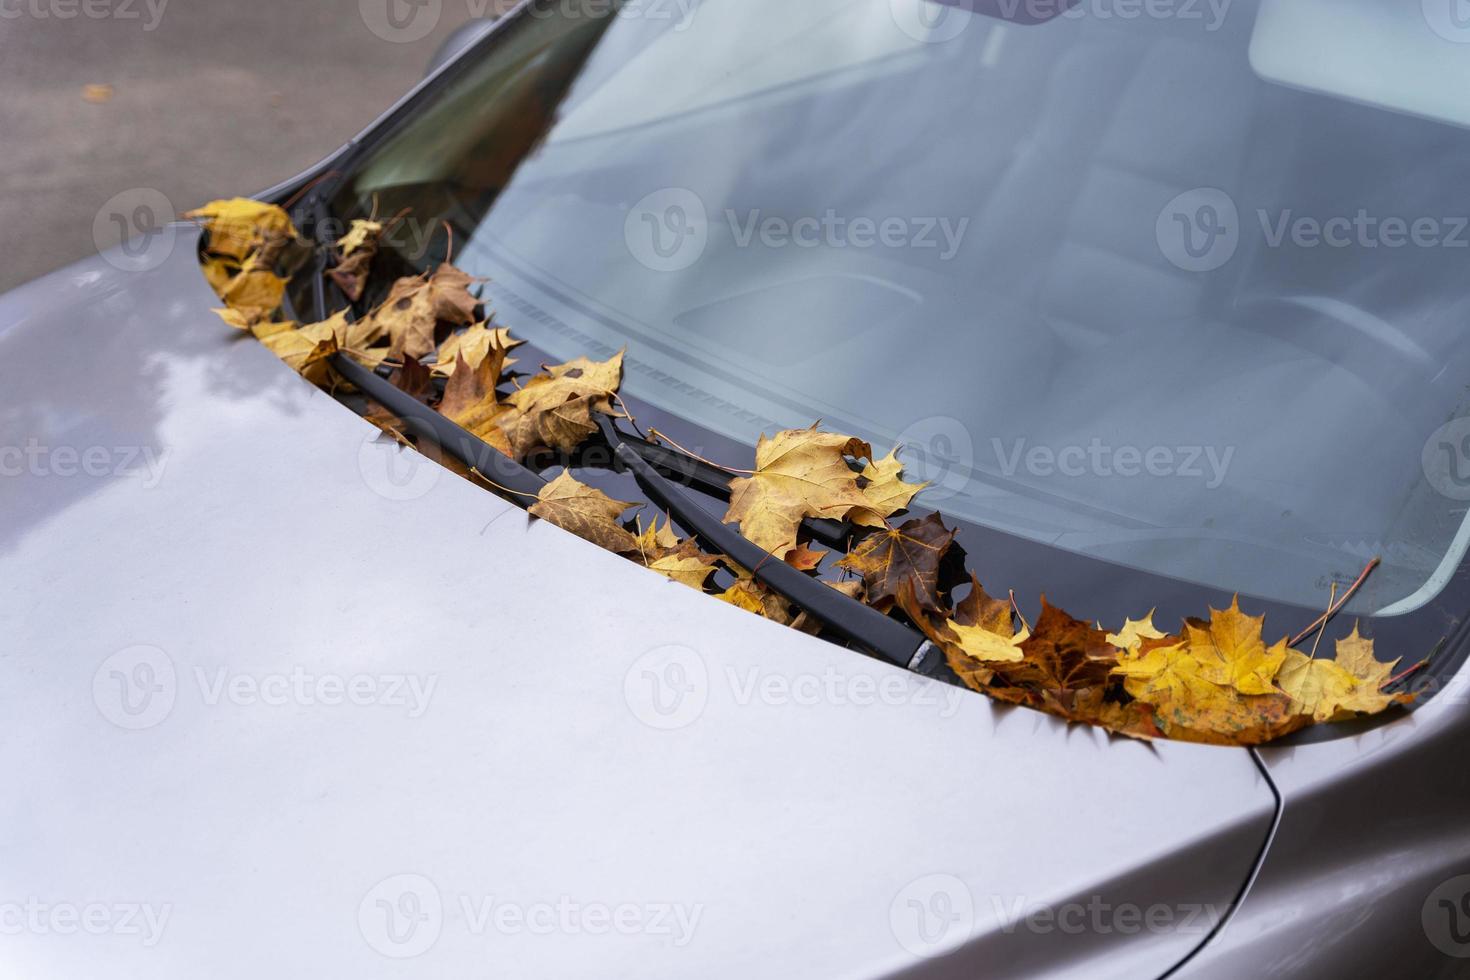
210, 98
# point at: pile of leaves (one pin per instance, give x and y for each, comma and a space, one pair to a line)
1215, 680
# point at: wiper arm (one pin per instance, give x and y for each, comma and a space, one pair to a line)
448, 435
715, 482
860, 624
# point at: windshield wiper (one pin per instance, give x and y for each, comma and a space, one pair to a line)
450, 437
713, 481
857, 623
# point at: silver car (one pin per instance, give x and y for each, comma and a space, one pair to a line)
1165, 300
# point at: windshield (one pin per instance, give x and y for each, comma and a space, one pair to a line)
1181, 290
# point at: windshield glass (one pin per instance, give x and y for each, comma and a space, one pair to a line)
1182, 289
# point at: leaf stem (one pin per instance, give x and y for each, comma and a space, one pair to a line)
728, 469
517, 493
1331, 598
1336, 607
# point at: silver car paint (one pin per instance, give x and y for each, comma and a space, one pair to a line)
802, 811
1373, 828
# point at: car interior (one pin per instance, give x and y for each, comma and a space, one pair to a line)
1059, 318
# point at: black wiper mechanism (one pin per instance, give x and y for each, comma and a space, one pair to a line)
450, 437
855, 622
861, 625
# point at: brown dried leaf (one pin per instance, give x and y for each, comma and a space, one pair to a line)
587, 512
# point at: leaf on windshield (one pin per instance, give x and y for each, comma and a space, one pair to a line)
416, 305
799, 473
358, 247
887, 493
911, 555
586, 512
1333, 690
476, 342
554, 409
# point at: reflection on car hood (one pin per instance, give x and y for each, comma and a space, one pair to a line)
292, 698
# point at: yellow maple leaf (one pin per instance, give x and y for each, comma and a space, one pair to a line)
1231, 652
885, 490
799, 473
239, 226
1164, 674
1335, 689
555, 408
362, 234
752, 596
687, 566
1134, 633
475, 343
255, 292
987, 646
305, 349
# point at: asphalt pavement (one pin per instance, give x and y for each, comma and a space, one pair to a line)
193, 99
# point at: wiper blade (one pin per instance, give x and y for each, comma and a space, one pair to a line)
859, 624
443, 432
715, 482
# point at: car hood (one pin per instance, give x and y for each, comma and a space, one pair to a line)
283, 699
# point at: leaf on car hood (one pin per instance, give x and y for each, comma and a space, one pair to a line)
239, 227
